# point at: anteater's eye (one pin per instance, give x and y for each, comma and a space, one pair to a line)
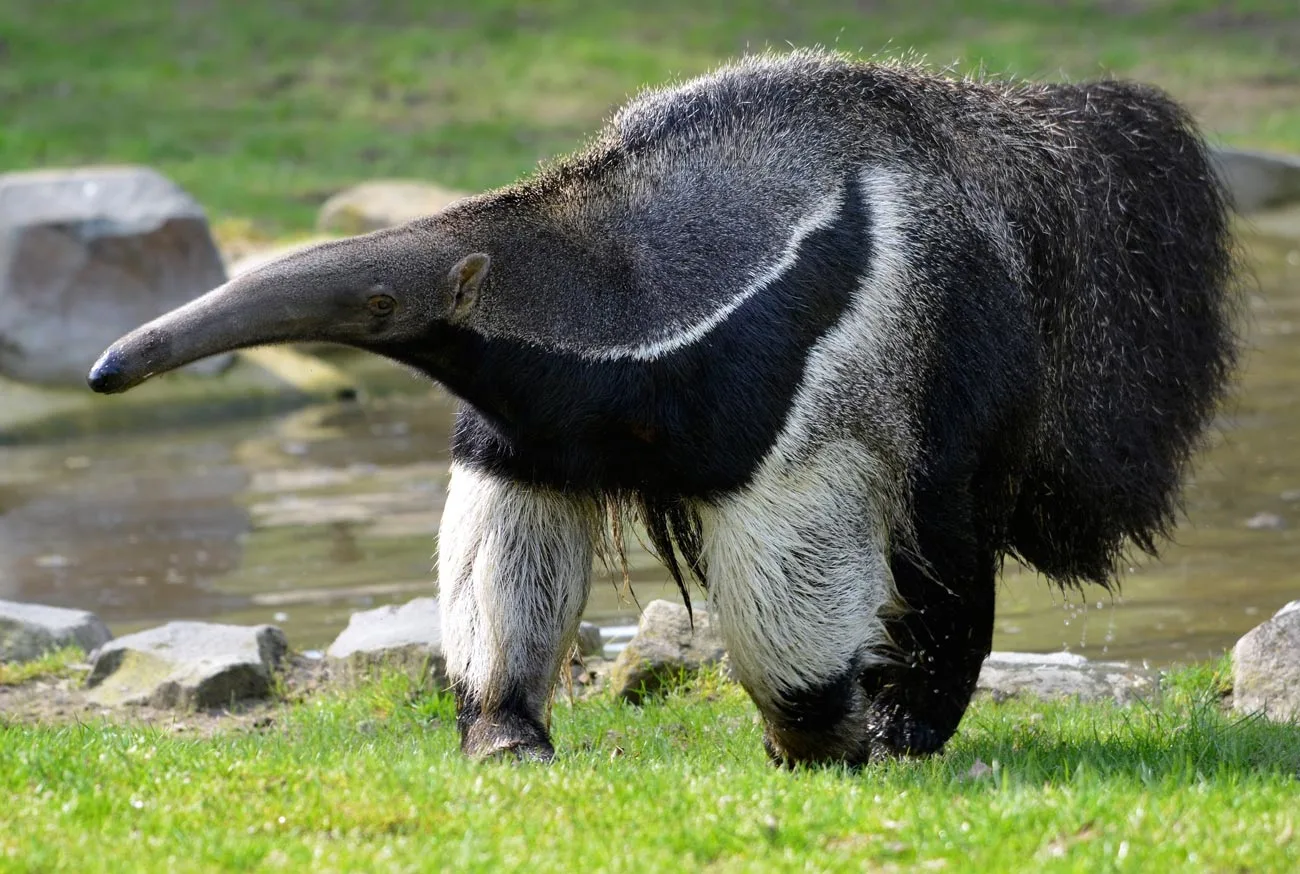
381, 305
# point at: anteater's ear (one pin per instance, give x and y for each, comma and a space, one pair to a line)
466, 279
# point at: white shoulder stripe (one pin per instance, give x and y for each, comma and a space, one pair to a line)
863, 344
829, 602
822, 217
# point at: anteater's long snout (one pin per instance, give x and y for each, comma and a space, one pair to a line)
316, 293
210, 325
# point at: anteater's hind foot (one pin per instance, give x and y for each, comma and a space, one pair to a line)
945, 634
822, 726
899, 710
914, 713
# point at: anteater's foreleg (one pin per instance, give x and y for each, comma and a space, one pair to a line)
514, 564
947, 580
800, 584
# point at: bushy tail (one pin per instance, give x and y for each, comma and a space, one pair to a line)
1133, 275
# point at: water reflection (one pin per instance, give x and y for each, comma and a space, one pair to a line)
140, 533
302, 518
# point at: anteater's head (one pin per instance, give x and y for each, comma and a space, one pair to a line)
380, 292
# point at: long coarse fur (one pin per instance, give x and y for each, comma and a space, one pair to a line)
1108, 215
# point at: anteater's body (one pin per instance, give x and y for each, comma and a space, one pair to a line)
844, 335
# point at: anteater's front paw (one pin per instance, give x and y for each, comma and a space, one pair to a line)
507, 737
902, 731
842, 746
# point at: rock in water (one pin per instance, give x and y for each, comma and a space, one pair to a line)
591, 642
29, 631
382, 203
187, 665
664, 650
1266, 667
88, 254
1258, 180
1064, 675
406, 638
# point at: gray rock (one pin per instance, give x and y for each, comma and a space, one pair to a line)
591, 676
664, 651
382, 203
591, 643
88, 254
29, 631
1259, 180
1266, 667
404, 638
1064, 675
187, 665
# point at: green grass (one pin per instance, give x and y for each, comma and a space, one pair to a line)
52, 665
372, 780
264, 109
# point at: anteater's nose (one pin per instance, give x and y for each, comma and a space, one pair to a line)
107, 376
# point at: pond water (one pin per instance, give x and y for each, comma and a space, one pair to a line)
300, 518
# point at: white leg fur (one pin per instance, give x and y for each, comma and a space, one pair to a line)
514, 568
798, 577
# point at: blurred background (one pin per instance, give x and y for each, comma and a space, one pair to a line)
296, 486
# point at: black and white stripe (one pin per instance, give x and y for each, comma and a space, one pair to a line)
662, 417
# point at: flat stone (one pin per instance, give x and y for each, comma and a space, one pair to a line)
88, 254
29, 631
1265, 522
591, 643
382, 203
1064, 675
1259, 180
664, 651
187, 665
405, 638
1266, 667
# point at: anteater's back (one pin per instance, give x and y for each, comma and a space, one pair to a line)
1098, 199
1120, 229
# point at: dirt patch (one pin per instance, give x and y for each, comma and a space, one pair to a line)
1254, 21
1280, 27
62, 701
1235, 106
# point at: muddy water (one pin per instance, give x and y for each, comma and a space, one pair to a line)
302, 518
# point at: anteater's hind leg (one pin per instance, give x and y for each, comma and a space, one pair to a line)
799, 579
944, 634
514, 564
